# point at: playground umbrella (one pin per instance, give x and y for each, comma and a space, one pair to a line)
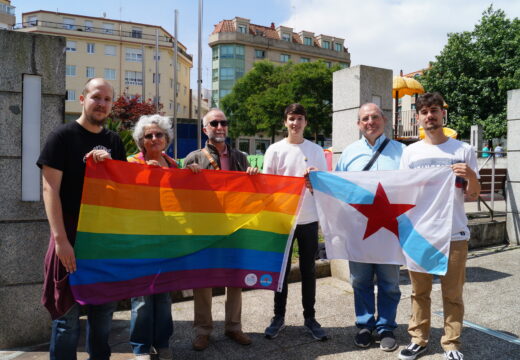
402, 86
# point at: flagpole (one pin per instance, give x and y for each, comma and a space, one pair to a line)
199, 78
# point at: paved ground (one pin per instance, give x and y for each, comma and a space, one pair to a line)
492, 314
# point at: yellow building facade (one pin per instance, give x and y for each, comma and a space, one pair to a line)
120, 51
7, 15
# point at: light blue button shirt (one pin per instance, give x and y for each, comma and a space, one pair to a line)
358, 154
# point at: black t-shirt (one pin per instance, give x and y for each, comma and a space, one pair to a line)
65, 150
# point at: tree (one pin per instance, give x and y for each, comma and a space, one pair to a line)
128, 109
258, 100
474, 72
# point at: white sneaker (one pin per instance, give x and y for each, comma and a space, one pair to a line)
142, 357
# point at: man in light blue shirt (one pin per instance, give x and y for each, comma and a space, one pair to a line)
356, 157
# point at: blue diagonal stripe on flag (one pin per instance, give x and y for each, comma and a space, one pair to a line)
340, 188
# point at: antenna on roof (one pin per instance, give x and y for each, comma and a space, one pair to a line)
104, 14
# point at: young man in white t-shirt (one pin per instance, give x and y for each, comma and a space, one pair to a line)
296, 156
436, 149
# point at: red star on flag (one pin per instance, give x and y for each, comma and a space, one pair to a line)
381, 214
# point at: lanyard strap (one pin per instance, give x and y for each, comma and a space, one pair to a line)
376, 154
210, 159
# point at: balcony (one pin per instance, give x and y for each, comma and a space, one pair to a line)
132, 34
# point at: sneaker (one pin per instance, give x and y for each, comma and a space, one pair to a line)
315, 329
165, 354
411, 351
363, 338
453, 355
277, 325
387, 341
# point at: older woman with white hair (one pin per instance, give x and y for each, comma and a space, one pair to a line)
151, 323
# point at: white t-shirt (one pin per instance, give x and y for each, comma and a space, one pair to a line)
282, 158
423, 155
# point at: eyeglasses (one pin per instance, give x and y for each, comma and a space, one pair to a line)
215, 123
158, 135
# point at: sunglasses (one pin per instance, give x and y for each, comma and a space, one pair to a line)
215, 123
150, 136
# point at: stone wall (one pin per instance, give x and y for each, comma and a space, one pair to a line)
513, 170
24, 231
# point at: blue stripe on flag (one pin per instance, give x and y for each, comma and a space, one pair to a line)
340, 188
419, 249
108, 270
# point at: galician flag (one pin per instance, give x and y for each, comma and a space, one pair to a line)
387, 217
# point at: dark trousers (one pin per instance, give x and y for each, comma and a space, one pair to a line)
307, 236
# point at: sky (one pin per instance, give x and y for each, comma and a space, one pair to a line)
393, 34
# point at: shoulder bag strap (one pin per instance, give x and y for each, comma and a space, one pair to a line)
376, 154
210, 159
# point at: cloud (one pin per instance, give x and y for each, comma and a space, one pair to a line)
392, 34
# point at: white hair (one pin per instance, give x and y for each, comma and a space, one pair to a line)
205, 120
163, 122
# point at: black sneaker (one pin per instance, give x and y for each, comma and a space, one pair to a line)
453, 355
411, 351
363, 338
315, 329
277, 325
387, 341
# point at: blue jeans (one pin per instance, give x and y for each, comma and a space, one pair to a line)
66, 331
151, 322
388, 295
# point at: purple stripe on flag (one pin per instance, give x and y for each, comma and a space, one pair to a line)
100, 293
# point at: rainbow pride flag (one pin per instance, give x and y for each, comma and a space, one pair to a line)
144, 230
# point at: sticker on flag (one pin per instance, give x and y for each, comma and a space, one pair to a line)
399, 217
145, 230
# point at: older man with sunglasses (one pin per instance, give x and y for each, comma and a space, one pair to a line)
217, 155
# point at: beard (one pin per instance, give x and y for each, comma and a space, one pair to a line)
433, 127
218, 139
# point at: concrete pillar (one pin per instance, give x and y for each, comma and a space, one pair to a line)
513, 170
24, 231
351, 88
476, 137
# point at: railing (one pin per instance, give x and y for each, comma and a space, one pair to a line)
407, 125
105, 31
490, 181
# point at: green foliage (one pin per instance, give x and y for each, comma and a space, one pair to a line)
124, 134
258, 100
474, 72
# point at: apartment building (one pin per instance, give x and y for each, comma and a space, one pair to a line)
237, 44
122, 52
7, 15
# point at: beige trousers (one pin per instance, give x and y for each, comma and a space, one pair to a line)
453, 306
203, 322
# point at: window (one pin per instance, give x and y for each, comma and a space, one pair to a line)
239, 51
134, 55
71, 46
259, 54
133, 78
157, 57
91, 72
338, 47
69, 24
214, 75
110, 74
177, 88
305, 60
226, 51
286, 37
88, 25
32, 20
108, 28
285, 57
171, 105
137, 33
91, 48
159, 78
70, 70
242, 29
343, 65
227, 73
71, 95
184, 110
328, 63
325, 44
307, 41
224, 92
243, 145
214, 52
110, 50
185, 89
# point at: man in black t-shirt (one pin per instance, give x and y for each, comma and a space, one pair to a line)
62, 161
